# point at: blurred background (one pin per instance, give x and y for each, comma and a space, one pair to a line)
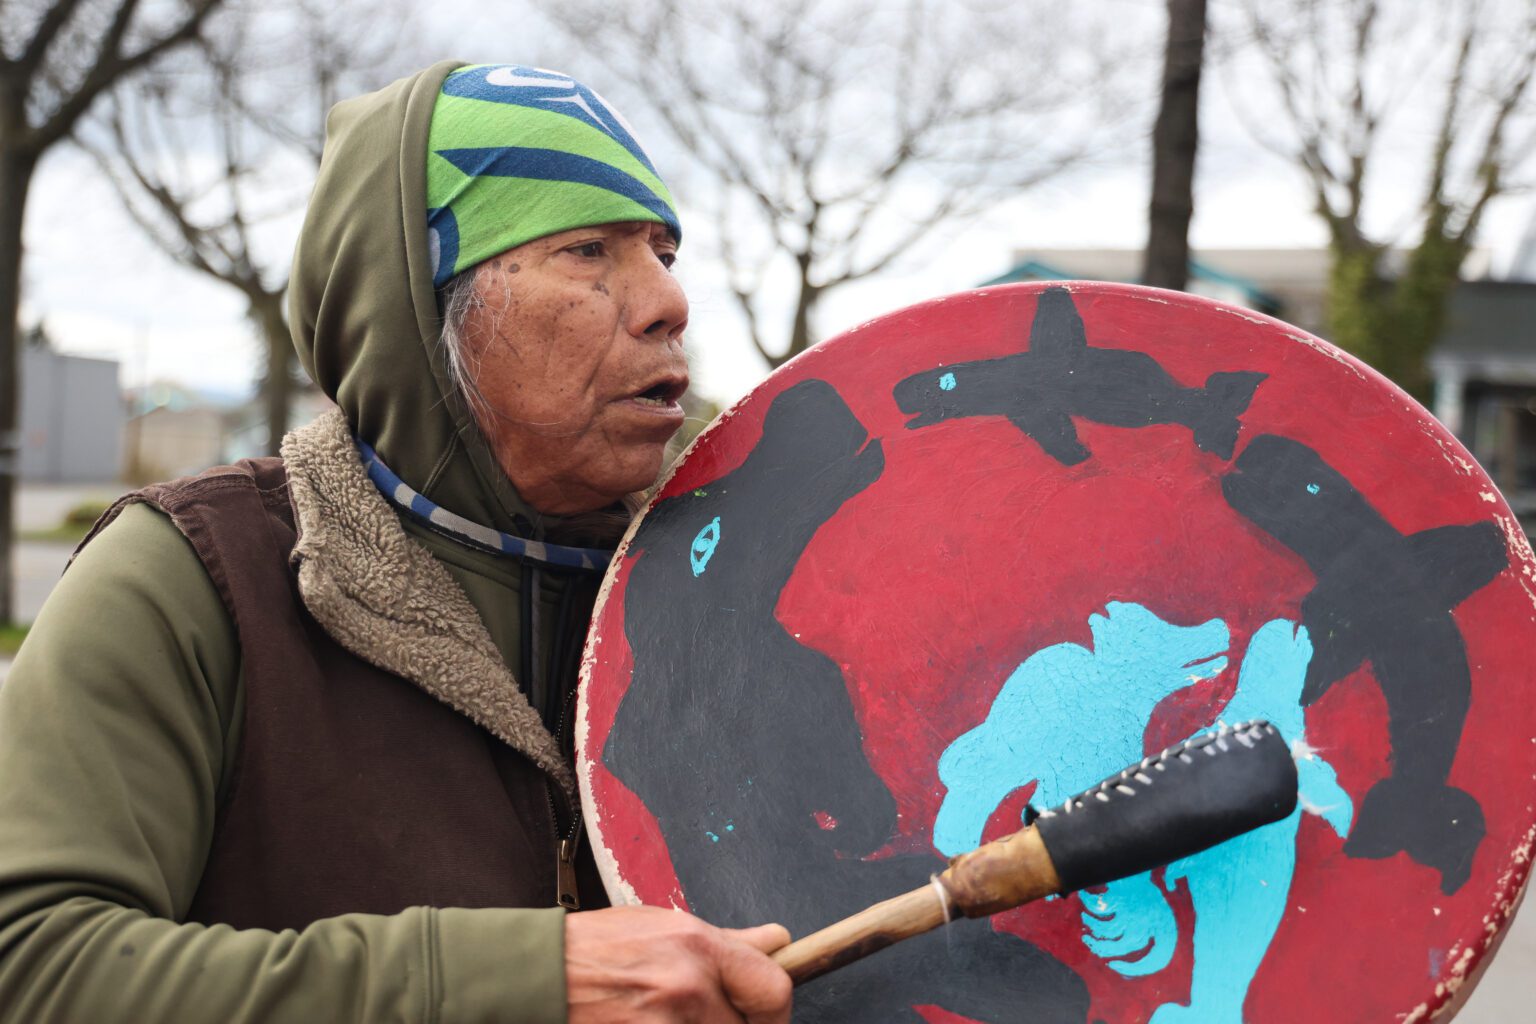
1360, 168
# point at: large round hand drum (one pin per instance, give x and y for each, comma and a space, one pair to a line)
987, 550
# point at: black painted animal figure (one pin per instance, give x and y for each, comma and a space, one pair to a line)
1061, 377
744, 745
1385, 598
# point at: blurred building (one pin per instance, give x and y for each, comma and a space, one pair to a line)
163, 442
1287, 283
178, 430
246, 426
1484, 368
1291, 284
71, 416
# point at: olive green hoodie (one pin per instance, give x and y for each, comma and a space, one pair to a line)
121, 716
366, 324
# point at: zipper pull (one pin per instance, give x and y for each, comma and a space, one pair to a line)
565, 867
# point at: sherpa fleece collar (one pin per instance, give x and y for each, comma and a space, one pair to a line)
383, 597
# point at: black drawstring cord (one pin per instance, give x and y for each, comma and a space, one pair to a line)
559, 665
525, 598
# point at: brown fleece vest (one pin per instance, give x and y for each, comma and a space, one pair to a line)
352, 789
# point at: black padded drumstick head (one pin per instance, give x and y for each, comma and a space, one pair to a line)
1189, 798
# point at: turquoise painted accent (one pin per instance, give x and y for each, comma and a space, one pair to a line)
1131, 915
712, 837
1243, 886
1313, 488
1239, 889
703, 548
1038, 728
947, 382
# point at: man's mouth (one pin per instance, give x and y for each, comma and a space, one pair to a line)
664, 392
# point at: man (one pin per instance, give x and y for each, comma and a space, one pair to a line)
290, 741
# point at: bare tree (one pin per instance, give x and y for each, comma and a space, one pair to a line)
56, 59
835, 138
1175, 143
1354, 81
210, 152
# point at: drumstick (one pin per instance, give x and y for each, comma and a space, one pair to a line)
1187, 799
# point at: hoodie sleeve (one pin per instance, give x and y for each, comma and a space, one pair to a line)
116, 722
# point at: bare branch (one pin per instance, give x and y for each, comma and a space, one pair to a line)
1307, 150
1452, 116
1360, 133
846, 132
48, 28
112, 64
1492, 160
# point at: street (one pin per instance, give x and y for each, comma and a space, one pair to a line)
36, 566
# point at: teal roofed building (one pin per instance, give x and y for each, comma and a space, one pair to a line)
1291, 284
1205, 278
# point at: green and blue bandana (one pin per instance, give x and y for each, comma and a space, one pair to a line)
517, 153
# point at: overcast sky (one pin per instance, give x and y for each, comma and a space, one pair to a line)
103, 291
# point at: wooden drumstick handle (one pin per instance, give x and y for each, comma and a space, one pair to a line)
1186, 799
1004, 873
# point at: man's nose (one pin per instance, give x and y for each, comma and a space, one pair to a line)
658, 308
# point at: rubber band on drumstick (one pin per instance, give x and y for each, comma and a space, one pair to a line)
943, 894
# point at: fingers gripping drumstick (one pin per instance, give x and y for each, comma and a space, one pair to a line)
1186, 799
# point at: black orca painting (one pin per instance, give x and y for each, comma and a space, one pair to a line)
1383, 597
744, 745
1060, 377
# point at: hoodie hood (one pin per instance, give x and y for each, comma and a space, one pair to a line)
364, 313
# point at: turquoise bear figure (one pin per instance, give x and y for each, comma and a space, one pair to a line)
1040, 727
1239, 890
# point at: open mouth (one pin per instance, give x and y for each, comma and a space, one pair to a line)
664, 393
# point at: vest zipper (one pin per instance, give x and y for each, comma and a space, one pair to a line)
567, 895
567, 892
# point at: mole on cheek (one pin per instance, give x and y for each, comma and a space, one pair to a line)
512, 268
598, 286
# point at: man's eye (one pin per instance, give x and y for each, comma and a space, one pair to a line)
589, 250
668, 259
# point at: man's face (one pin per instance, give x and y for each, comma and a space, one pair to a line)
577, 348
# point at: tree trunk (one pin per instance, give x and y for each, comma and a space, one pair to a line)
1175, 140
277, 388
15, 179
1392, 325
1421, 298
805, 304
1358, 300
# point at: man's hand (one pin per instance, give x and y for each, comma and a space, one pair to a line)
638, 965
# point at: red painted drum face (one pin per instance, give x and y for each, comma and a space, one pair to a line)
984, 552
